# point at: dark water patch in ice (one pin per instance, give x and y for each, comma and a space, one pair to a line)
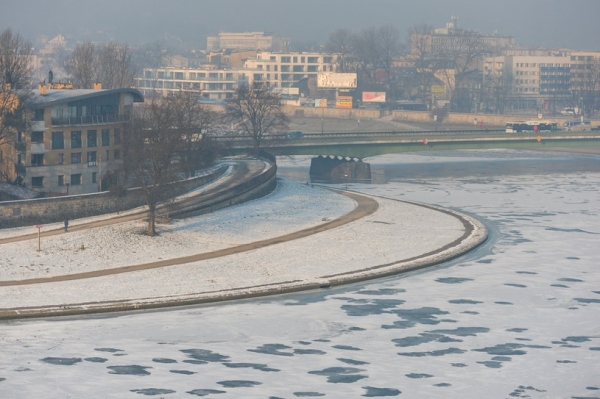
153, 391
424, 315
525, 272
469, 312
566, 361
462, 331
576, 339
2, 379
356, 329
458, 365
184, 372
587, 300
375, 307
570, 280
570, 230
502, 358
96, 359
485, 261
418, 375
62, 361
382, 291
110, 350
129, 370
309, 352
204, 355
517, 329
163, 360
346, 347
596, 292
337, 375
521, 391
464, 302
255, 366
422, 339
352, 361
592, 388
442, 385
491, 364
308, 394
205, 392
572, 258
515, 285
522, 339
321, 340
453, 280
238, 383
373, 392
503, 349
595, 348
440, 352
559, 285
272, 349
304, 343
503, 303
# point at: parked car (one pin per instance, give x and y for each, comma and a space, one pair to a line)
596, 128
577, 125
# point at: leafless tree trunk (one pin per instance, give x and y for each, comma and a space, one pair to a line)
256, 114
152, 145
340, 43
82, 65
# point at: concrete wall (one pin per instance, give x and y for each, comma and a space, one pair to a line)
50, 210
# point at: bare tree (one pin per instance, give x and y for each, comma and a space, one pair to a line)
500, 88
425, 62
389, 48
194, 121
340, 42
255, 113
110, 64
152, 145
115, 66
82, 65
15, 90
365, 51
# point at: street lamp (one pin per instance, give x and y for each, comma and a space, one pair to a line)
67, 184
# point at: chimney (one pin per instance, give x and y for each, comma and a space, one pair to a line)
42, 87
50, 77
97, 86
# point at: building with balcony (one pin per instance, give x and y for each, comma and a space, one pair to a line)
212, 84
247, 41
73, 142
283, 70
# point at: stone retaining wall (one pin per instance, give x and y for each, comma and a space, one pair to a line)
56, 209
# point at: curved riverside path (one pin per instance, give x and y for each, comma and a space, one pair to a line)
269, 266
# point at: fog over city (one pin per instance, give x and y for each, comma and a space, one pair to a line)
538, 23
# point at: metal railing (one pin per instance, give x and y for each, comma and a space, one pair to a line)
91, 120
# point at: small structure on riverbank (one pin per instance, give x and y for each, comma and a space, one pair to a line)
339, 169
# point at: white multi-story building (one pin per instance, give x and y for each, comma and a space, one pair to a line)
247, 41
213, 84
282, 70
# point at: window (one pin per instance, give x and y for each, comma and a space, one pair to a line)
76, 157
58, 140
38, 115
105, 137
94, 177
91, 158
61, 158
37, 137
76, 179
37, 182
76, 139
107, 155
117, 136
117, 154
37, 159
61, 180
91, 138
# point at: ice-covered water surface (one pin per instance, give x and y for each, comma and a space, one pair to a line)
518, 317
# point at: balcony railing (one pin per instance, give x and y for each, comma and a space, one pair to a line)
91, 119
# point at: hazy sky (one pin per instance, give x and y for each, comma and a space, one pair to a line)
573, 24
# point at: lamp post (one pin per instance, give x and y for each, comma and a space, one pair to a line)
67, 184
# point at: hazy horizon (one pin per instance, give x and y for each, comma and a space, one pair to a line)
537, 23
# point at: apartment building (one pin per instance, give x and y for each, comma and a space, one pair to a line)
74, 139
213, 84
282, 70
247, 41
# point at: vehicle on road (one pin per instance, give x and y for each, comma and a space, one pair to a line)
531, 126
295, 135
577, 125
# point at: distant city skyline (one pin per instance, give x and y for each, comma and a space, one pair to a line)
535, 23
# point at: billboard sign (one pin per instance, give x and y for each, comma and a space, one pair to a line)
343, 102
321, 102
333, 80
440, 89
373, 96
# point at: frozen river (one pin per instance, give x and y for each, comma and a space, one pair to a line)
517, 317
